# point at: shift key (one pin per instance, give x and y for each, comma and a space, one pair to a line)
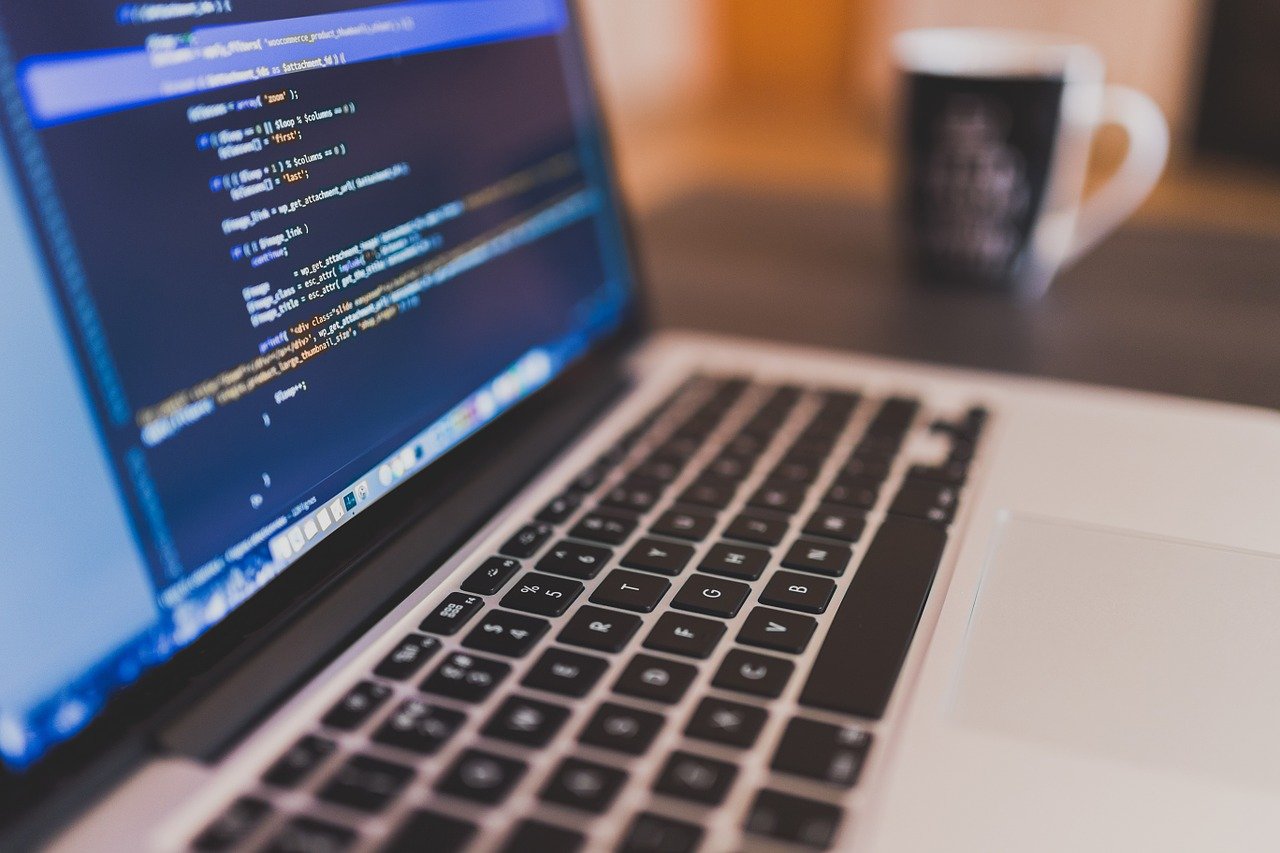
864, 649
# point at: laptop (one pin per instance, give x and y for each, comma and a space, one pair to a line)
354, 507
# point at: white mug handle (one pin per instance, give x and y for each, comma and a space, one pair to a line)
1113, 202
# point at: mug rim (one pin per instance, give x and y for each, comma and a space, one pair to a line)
987, 52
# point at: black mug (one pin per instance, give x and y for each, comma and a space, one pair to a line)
995, 141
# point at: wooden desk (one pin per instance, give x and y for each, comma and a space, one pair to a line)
1155, 307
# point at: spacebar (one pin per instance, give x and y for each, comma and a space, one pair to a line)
868, 640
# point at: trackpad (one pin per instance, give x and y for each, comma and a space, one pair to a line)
1138, 648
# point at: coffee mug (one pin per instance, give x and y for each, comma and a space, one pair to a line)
997, 126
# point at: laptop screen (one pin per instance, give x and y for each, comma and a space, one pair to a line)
266, 259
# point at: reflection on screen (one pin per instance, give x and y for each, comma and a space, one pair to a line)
295, 259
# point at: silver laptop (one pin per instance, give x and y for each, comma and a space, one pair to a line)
352, 507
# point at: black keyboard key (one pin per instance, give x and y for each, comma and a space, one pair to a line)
796, 471
868, 639
828, 421
575, 559
610, 527
793, 819
839, 402
809, 451
696, 428
778, 630
682, 634
859, 494
630, 590
735, 561
426, 830
407, 657
798, 592
879, 447
527, 540
365, 783
597, 628
419, 727
724, 722
894, 417
510, 634
491, 575
709, 492
836, 407
821, 558
778, 496
974, 420
545, 595
299, 762
783, 399
687, 776
750, 672
614, 455
836, 522
534, 836
354, 708
776, 409
813, 446
657, 555
651, 833
727, 467
590, 478
677, 449
745, 445
656, 679
730, 389
821, 751
761, 428
621, 729
525, 721
565, 672
952, 472
482, 776
452, 613
634, 494
861, 467
703, 421
307, 835
235, 825
756, 527
466, 677
684, 524
712, 596
926, 499
583, 785
824, 427
658, 469
764, 424
766, 421
558, 509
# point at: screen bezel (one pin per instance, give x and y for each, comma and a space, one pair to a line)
122, 734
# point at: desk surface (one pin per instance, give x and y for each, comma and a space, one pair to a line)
1193, 313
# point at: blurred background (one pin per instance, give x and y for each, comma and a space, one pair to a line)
755, 140
800, 95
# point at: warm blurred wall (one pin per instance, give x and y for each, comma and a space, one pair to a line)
663, 55
653, 56
1153, 45
795, 95
797, 56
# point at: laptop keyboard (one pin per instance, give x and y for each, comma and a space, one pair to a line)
675, 582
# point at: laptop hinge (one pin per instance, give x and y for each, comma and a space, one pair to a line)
225, 706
